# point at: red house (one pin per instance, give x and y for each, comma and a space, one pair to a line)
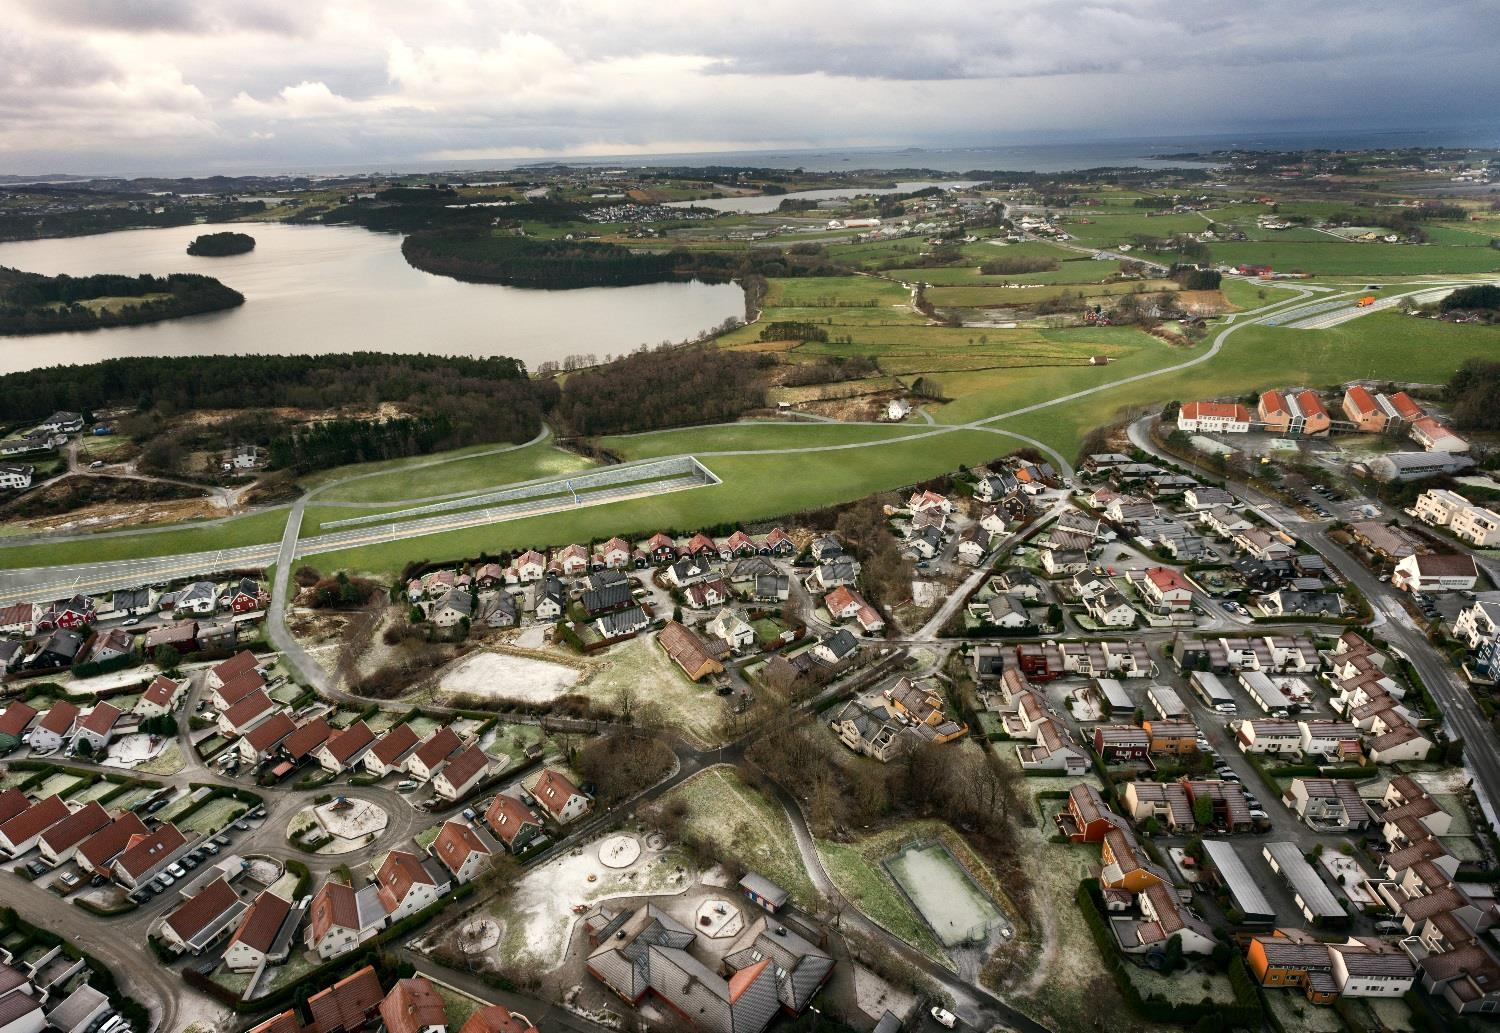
1032, 660
1122, 742
1087, 817
246, 597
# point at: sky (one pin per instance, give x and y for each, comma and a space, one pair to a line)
99, 86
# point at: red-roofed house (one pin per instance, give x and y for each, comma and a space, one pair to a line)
460, 850
429, 758
462, 774
616, 554
493, 1018
260, 742
1361, 409
247, 713
406, 886
573, 560
345, 748
390, 752
512, 821
12, 802
223, 673
306, 739
160, 697
202, 919
236, 689
335, 925
145, 856
1434, 436
1213, 418
414, 1006
95, 853
250, 946
97, 728
60, 842
556, 794
22, 832
13, 724
348, 1005
55, 726
1166, 589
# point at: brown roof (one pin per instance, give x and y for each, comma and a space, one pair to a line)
143, 854
493, 1018
195, 915
12, 802
686, 649
345, 744
553, 790
15, 1006
465, 766
333, 906
248, 709
506, 815
240, 686
395, 744
1450, 564
347, 1004
262, 922
35, 819
59, 719
103, 846
101, 719
270, 731
455, 843
160, 691
412, 1005
307, 738
397, 875
286, 1022
235, 666
439, 746
76, 827
15, 719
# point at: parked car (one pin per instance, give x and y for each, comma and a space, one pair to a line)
405, 786
469, 813
944, 1017
176, 869
130, 622
68, 879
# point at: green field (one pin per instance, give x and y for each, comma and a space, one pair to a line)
460, 472
738, 437
1337, 258
252, 529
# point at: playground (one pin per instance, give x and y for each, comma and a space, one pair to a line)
956, 910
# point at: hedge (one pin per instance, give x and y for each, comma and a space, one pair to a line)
304, 877
1246, 1011
114, 663
102, 911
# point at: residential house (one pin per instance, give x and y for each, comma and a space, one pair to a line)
96, 729
406, 885
55, 726
1087, 817
305, 741
1448, 572
256, 941
247, 713
260, 743
13, 724
160, 698
202, 918
460, 850
870, 731
58, 649
348, 1006
414, 1006
199, 598
1121, 743
454, 608
573, 560
1213, 418
1110, 609
110, 644
337, 925
1226, 522
688, 651
461, 774
530, 566
1165, 590
623, 623
556, 794
20, 832
616, 554
923, 708
96, 853
708, 593
223, 673
61, 839
428, 759
512, 822
1328, 804
732, 629
144, 857
1263, 544
973, 543
344, 749
1169, 736
834, 649
1201, 497
391, 750
1268, 735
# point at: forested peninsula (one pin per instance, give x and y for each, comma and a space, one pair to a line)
31, 303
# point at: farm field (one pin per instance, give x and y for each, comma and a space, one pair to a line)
750, 436
1334, 258
980, 296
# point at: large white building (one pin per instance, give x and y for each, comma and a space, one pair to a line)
1213, 418
1476, 525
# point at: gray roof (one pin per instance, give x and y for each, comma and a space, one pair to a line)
1311, 890
458, 599
764, 888
1242, 885
841, 643
607, 597
625, 622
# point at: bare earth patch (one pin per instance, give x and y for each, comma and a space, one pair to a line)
505, 676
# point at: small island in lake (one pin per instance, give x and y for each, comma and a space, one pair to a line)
216, 245
31, 303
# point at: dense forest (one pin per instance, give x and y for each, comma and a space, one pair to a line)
31, 303
1475, 393
465, 388
649, 390
217, 245
319, 446
481, 256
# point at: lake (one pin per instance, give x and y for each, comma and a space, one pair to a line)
761, 204
313, 289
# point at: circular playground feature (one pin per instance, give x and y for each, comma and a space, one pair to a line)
351, 819
478, 935
718, 918
619, 851
656, 841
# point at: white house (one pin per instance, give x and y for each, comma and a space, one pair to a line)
1478, 623
556, 794
897, 409
460, 850
1110, 609
732, 628
406, 885
1268, 735
255, 936
16, 475
1213, 418
462, 774
1449, 572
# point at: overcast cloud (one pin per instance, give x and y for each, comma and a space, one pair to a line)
162, 85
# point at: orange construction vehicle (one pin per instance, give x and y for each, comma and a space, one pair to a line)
1365, 302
